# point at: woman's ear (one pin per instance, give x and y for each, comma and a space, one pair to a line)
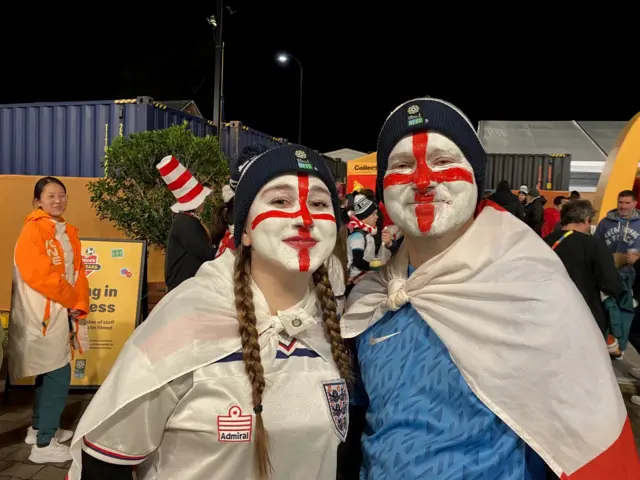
246, 240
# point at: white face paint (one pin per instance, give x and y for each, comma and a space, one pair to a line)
429, 187
291, 222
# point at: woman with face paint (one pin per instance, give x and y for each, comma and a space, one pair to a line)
241, 371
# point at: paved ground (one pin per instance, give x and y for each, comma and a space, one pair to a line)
15, 418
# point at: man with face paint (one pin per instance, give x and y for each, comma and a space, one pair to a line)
475, 350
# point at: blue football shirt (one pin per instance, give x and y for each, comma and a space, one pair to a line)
423, 420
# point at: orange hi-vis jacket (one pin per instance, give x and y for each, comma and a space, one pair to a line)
40, 334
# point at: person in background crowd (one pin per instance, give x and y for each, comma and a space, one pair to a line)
507, 200
552, 216
342, 193
337, 268
586, 258
189, 242
633, 259
222, 223
222, 218
49, 302
240, 372
1, 345
534, 211
385, 234
522, 195
574, 195
361, 248
474, 347
391, 236
620, 229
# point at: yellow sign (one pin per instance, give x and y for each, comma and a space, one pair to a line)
115, 275
362, 166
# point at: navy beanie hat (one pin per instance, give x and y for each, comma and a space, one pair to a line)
256, 172
363, 207
434, 115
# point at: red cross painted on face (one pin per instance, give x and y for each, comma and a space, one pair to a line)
424, 177
304, 231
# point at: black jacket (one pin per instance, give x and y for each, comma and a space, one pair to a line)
188, 248
590, 265
509, 202
534, 215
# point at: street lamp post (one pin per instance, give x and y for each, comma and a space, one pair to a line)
283, 59
216, 23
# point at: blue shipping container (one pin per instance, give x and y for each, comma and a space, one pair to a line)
235, 136
70, 138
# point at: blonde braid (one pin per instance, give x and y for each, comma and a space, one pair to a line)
339, 349
251, 356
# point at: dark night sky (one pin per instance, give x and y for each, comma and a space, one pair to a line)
359, 63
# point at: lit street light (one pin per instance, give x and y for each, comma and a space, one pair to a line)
283, 59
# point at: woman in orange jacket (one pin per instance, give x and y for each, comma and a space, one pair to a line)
50, 299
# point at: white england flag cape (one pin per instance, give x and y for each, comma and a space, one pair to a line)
523, 338
193, 326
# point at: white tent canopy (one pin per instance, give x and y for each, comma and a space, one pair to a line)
345, 154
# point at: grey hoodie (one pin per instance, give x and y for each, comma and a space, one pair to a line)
620, 234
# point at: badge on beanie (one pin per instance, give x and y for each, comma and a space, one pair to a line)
414, 116
303, 162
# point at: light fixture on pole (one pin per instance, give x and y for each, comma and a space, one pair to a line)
283, 59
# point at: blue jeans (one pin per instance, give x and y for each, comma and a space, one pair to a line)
51, 397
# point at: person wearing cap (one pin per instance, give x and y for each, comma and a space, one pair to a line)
507, 200
522, 195
189, 242
222, 219
476, 355
362, 226
534, 211
240, 372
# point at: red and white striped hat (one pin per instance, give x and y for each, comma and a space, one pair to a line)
187, 190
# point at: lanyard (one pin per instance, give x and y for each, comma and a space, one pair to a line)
559, 241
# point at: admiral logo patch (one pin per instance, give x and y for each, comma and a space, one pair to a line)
235, 427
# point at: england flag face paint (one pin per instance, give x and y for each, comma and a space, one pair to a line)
291, 222
429, 187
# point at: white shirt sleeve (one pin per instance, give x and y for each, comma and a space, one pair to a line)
136, 430
356, 241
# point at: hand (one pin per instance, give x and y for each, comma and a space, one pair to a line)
75, 313
386, 238
632, 257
